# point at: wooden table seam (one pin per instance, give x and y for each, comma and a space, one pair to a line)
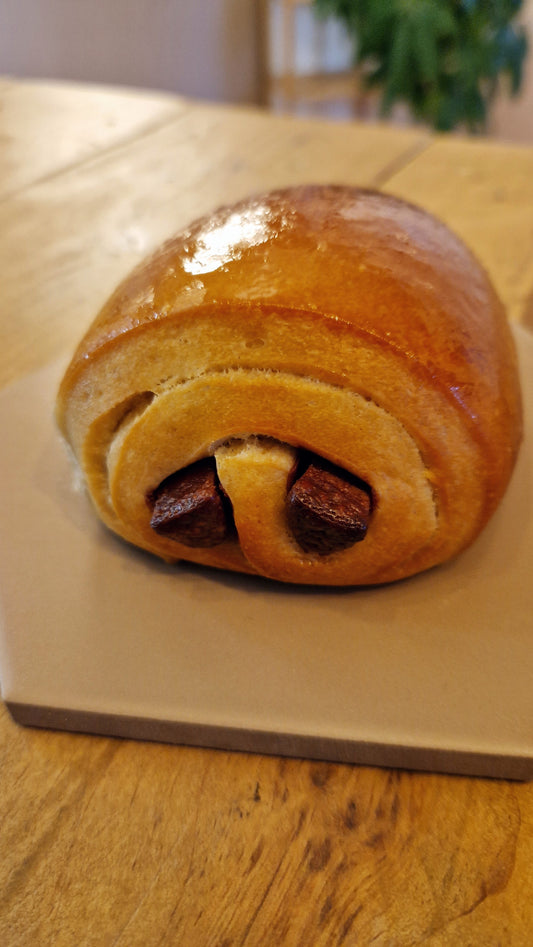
88, 160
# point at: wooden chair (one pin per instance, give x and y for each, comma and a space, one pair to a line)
285, 87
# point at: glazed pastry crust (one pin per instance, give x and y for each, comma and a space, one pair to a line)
334, 319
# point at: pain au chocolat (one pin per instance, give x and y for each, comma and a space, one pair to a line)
317, 385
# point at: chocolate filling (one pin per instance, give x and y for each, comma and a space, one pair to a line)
327, 508
191, 508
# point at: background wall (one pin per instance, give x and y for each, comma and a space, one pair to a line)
202, 48
512, 118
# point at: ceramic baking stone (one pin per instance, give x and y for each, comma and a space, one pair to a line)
433, 673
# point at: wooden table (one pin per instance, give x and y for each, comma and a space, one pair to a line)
111, 842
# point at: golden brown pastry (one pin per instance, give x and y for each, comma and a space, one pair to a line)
317, 385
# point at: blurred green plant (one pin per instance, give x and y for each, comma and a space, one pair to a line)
444, 58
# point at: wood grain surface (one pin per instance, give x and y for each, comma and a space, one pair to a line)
113, 842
